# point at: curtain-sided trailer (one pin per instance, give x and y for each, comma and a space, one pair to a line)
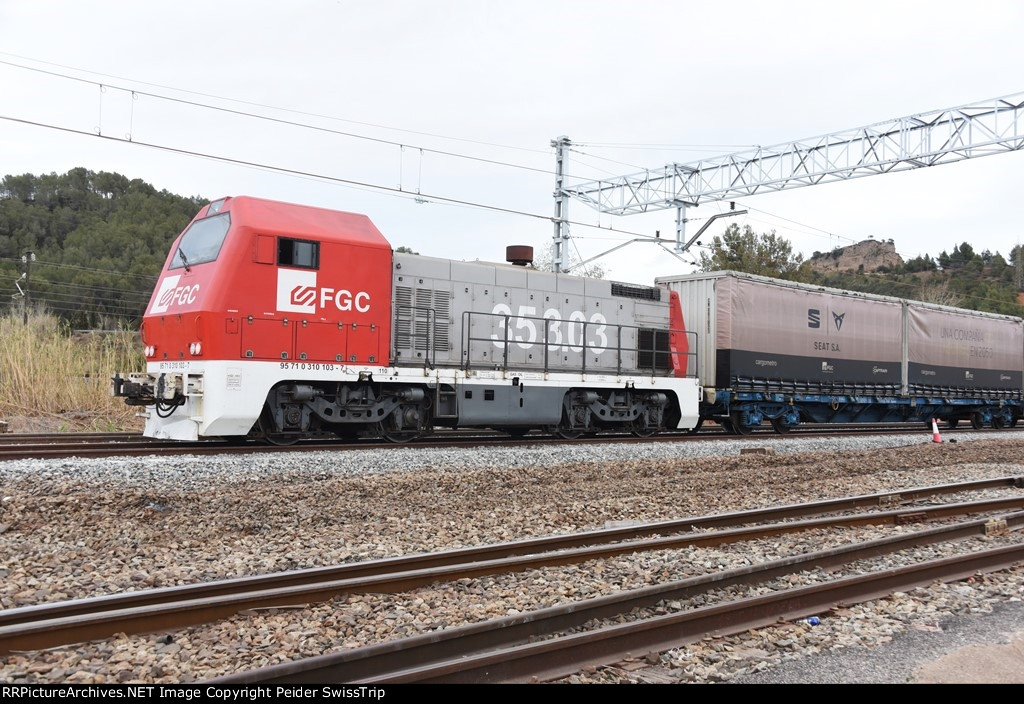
778, 352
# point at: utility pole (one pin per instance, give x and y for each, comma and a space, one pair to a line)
27, 258
559, 260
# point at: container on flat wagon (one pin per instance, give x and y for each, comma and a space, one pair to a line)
760, 333
963, 353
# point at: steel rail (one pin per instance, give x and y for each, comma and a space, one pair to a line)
48, 625
10, 438
552, 543
374, 662
559, 657
139, 446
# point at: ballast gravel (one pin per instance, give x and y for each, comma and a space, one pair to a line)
78, 528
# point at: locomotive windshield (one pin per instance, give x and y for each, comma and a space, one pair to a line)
201, 242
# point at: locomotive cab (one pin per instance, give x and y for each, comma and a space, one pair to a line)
276, 286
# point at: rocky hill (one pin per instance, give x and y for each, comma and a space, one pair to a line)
866, 257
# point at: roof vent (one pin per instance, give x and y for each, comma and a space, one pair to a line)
519, 254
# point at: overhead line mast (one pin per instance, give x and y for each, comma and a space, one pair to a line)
559, 259
926, 139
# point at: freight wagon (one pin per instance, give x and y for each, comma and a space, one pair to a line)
772, 351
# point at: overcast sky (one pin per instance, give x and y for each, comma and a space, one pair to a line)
310, 101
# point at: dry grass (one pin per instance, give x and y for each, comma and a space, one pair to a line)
54, 379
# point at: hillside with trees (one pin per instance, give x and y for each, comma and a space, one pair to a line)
99, 240
964, 278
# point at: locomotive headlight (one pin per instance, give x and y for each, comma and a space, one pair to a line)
150, 350
195, 349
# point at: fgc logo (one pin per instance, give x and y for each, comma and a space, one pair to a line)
303, 296
171, 294
297, 292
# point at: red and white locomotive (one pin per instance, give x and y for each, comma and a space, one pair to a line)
279, 321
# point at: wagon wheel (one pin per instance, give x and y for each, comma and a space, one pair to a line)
998, 422
737, 424
951, 423
976, 421
781, 426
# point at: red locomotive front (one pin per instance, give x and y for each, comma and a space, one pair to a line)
253, 292
262, 280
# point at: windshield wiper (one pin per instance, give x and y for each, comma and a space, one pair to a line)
184, 259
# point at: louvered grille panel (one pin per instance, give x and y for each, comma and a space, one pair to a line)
442, 320
415, 310
403, 314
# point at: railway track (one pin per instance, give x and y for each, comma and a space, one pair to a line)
508, 651
64, 445
486, 645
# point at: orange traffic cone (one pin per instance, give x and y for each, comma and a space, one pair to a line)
935, 432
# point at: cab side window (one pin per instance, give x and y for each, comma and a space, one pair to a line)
301, 254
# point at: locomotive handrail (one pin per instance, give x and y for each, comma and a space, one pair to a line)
505, 341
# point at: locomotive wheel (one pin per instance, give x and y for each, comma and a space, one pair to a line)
389, 432
399, 436
405, 423
268, 431
281, 439
565, 429
643, 430
567, 433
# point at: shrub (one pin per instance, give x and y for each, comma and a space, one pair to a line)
50, 373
